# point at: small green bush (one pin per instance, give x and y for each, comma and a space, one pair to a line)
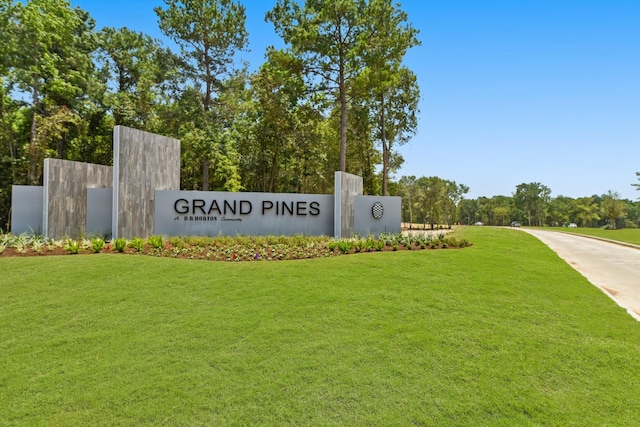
156, 241
345, 246
37, 246
120, 243
73, 246
137, 243
97, 244
369, 244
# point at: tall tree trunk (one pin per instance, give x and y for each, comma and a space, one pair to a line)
205, 175
343, 121
9, 137
206, 104
33, 149
62, 143
385, 151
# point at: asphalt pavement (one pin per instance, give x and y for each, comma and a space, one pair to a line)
612, 267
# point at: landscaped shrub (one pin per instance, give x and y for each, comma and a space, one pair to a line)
73, 246
37, 246
120, 244
156, 242
226, 248
85, 243
137, 243
369, 244
97, 244
345, 246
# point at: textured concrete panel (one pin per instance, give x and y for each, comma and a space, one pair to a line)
143, 162
99, 201
65, 195
212, 213
347, 186
26, 209
377, 214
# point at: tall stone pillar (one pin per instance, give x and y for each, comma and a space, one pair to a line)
347, 187
143, 162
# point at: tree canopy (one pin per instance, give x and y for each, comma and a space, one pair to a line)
341, 77
335, 41
64, 84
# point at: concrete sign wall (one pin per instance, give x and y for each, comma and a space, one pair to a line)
377, 214
211, 213
140, 196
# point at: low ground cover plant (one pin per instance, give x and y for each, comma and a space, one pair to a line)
224, 248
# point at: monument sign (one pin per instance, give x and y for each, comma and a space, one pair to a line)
139, 196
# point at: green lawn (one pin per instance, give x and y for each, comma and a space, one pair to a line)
628, 235
502, 333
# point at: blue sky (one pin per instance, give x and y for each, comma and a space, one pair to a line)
513, 91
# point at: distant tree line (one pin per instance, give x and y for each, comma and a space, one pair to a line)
338, 97
434, 202
532, 205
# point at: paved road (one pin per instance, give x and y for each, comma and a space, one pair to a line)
613, 268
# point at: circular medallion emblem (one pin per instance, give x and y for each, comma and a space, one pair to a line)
377, 210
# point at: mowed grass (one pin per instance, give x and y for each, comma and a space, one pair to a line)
628, 235
502, 333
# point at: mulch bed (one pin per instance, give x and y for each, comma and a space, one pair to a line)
212, 254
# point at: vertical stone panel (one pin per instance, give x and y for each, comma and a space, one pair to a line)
347, 186
143, 162
65, 195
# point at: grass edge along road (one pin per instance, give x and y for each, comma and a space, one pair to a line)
625, 235
501, 333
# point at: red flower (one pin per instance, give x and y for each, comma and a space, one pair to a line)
234, 256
